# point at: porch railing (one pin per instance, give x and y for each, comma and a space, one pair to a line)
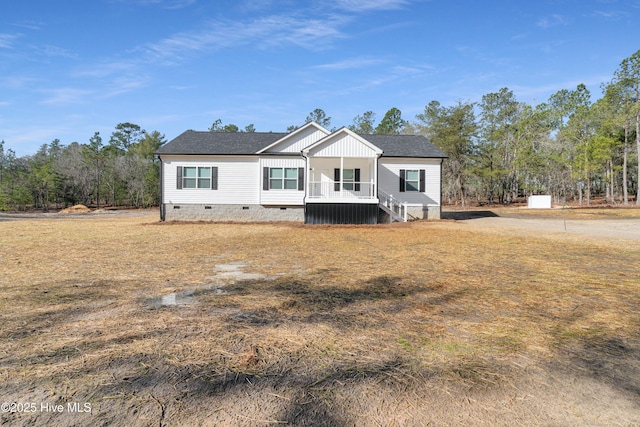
393, 207
346, 190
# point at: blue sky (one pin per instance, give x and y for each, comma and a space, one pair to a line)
69, 68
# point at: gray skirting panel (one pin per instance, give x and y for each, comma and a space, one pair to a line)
341, 213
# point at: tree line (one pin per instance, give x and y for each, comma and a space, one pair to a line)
119, 172
570, 147
499, 150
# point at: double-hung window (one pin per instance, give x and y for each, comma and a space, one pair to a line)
412, 180
348, 179
282, 178
197, 177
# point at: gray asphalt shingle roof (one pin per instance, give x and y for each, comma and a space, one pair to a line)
404, 146
197, 142
243, 143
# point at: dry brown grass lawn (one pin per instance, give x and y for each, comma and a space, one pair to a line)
425, 323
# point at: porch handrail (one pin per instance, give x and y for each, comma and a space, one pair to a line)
393, 206
336, 189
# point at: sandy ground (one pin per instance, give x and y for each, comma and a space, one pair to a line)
591, 380
623, 228
608, 228
16, 216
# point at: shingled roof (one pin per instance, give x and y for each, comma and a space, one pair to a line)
404, 146
238, 143
249, 143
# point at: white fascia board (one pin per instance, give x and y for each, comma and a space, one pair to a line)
293, 134
343, 129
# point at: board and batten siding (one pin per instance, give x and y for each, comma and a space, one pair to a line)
389, 180
238, 180
296, 142
343, 145
281, 197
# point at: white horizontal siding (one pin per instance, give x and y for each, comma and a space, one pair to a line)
389, 180
281, 197
238, 180
342, 145
296, 142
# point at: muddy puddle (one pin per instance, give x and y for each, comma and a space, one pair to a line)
226, 274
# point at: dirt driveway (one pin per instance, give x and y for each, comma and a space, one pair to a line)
617, 228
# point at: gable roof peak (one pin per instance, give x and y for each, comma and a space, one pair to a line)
293, 134
347, 131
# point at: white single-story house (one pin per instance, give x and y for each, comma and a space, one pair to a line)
310, 175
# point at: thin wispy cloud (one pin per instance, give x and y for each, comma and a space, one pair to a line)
481, 55
165, 4
611, 15
551, 21
6, 40
123, 85
179, 4
349, 64
16, 82
29, 25
66, 96
41, 133
55, 51
255, 5
105, 69
368, 5
542, 92
383, 77
182, 87
271, 31
406, 70
520, 36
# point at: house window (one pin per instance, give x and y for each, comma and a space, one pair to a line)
347, 179
283, 178
197, 177
350, 179
412, 180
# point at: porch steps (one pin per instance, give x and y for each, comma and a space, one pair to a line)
397, 210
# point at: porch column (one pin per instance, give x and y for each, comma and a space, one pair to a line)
375, 176
372, 174
307, 179
341, 174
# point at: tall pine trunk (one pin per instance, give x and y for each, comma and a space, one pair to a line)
625, 156
638, 148
611, 183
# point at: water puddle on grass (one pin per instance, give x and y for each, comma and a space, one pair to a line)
227, 274
233, 273
175, 298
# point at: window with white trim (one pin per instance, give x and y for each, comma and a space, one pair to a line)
283, 178
412, 180
189, 177
196, 177
348, 179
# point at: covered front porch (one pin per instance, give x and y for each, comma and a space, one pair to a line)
342, 180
